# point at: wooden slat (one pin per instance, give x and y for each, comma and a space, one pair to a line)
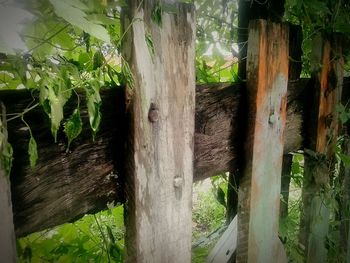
259, 191
319, 162
159, 161
226, 245
7, 231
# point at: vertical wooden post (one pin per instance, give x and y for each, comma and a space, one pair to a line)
319, 162
259, 192
7, 231
294, 70
160, 50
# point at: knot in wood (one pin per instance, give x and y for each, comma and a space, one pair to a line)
177, 181
153, 113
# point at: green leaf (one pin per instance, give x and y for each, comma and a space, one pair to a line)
101, 19
32, 151
54, 93
56, 111
157, 14
97, 60
127, 75
85, 61
6, 156
149, 42
220, 196
73, 127
76, 3
345, 159
94, 106
76, 17
6, 151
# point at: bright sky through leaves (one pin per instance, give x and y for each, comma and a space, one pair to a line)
12, 20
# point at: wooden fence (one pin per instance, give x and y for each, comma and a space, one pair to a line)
162, 132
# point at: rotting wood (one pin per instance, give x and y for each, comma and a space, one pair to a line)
7, 231
259, 189
81, 186
160, 144
322, 135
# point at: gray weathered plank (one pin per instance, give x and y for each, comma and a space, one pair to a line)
226, 245
159, 162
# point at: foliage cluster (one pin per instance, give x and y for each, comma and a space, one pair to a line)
69, 45
320, 17
94, 238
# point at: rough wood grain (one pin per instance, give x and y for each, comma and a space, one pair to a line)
59, 175
260, 184
160, 149
7, 230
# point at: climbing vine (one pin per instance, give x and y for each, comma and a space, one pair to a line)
69, 46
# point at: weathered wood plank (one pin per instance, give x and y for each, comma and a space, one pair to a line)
322, 136
226, 245
7, 230
88, 169
160, 149
68, 173
259, 189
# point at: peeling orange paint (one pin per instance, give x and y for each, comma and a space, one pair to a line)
267, 76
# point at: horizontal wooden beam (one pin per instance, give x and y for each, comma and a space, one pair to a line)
66, 185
